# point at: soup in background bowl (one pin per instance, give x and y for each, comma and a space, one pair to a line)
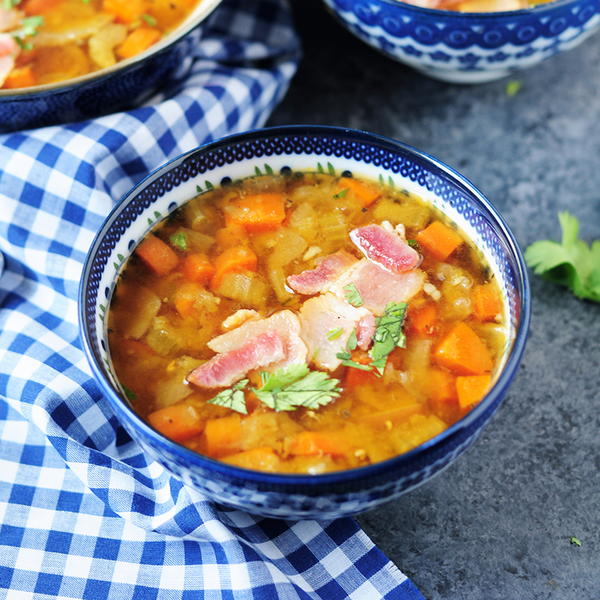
304, 321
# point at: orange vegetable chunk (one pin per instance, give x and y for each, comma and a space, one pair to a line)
422, 321
233, 260
462, 351
439, 239
197, 267
486, 302
19, 77
39, 7
223, 436
256, 212
157, 255
260, 459
137, 41
177, 422
441, 391
185, 296
308, 443
125, 11
365, 194
471, 389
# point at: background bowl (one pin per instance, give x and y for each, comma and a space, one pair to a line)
285, 149
468, 47
124, 85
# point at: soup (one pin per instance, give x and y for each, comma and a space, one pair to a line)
477, 6
47, 41
305, 323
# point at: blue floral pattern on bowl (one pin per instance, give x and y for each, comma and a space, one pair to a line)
468, 47
282, 150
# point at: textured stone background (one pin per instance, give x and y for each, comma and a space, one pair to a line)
496, 525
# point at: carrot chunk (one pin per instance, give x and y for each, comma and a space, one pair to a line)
439, 240
486, 302
157, 255
462, 351
423, 321
197, 267
39, 7
125, 11
233, 260
308, 443
20, 77
364, 193
257, 212
259, 459
441, 391
223, 436
177, 422
471, 389
137, 41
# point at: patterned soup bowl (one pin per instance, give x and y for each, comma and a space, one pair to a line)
468, 47
285, 150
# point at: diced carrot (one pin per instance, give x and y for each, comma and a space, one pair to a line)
423, 321
137, 41
486, 302
20, 77
197, 267
472, 389
439, 240
125, 11
256, 212
441, 391
157, 255
308, 443
364, 193
38, 7
259, 459
233, 260
356, 377
223, 436
185, 296
462, 351
177, 422
232, 235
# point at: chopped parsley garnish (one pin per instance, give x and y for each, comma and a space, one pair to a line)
296, 386
179, 240
334, 334
353, 295
232, 397
346, 357
570, 262
9, 4
341, 194
149, 20
29, 27
413, 244
388, 334
352, 341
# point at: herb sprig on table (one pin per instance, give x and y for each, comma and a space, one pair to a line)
570, 262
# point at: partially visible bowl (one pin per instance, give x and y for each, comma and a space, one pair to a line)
123, 85
285, 149
468, 47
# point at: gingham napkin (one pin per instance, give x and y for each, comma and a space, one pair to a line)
84, 514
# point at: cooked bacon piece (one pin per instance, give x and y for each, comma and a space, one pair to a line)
385, 248
224, 369
239, 317
9, 19
284, 322
8, 52
378, 287
328, 268
327, 322
365, 330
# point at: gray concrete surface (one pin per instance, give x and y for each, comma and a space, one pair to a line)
496, 525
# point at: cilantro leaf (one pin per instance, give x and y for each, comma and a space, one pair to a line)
341, 194
232, 397
513, 87
296, 386
575, 541
334, 334
29, 27
388, 334
149, 19
352, 342
570, 262
353, 295
179, 240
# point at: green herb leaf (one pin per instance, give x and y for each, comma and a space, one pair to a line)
356, 365
413, 244
10, 4
341, 193
150, 20
570, 262
179, 240
131, 395
575, 541
334, 334
29, 27
232, 397
352, 341
513, 87
388, 334
353, 295
296, 386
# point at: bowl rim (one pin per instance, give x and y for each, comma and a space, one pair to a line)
203, 10
478, 16
495, 395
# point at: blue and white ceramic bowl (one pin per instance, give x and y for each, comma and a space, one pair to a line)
468, 47
283, 150
124, 85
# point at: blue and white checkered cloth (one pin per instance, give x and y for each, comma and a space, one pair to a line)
84, 514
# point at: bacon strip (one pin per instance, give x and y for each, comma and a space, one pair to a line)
385, 248
313, 281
